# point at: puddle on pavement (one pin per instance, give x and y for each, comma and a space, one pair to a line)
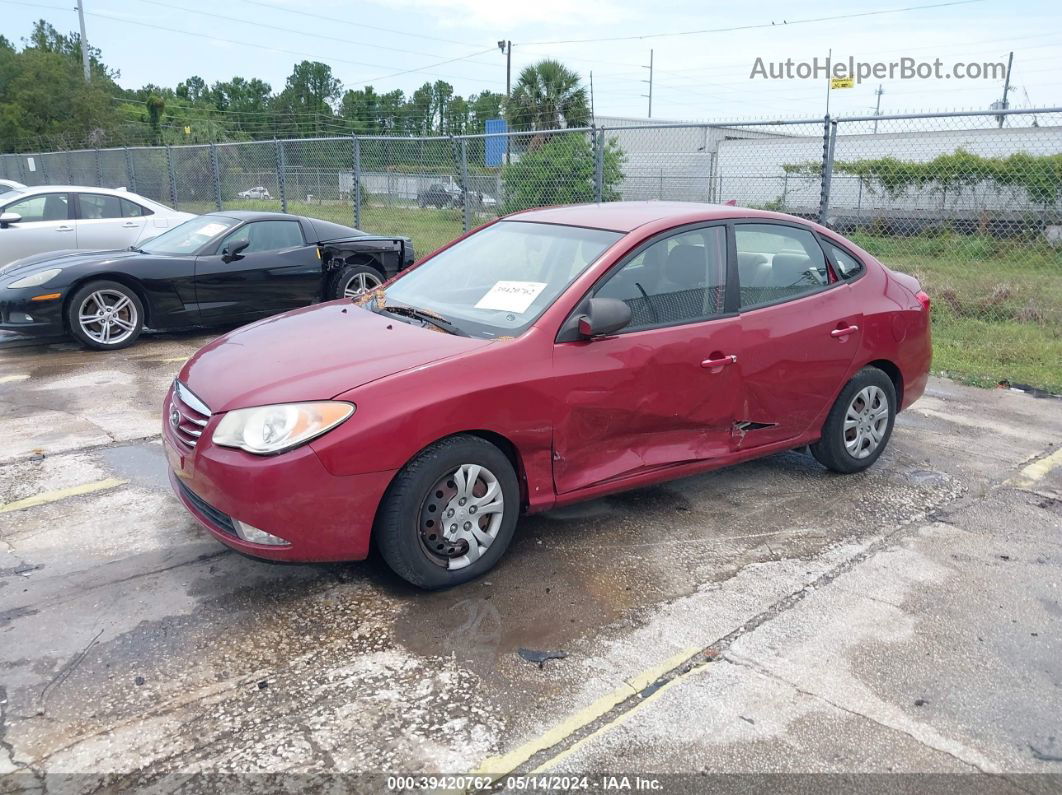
142, 464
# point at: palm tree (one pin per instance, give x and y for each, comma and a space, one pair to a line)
547, 96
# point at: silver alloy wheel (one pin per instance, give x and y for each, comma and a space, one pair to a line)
461, 516
107, 317
866, 421
359, 284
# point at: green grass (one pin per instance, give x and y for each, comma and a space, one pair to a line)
997, 304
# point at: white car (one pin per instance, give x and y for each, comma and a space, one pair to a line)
10, 184
37, 220
254, 193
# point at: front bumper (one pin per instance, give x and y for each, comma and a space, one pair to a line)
324, 517
24, 316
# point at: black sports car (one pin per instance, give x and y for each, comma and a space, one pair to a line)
221, 268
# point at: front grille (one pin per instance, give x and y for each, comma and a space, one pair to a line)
188, 415
220, 520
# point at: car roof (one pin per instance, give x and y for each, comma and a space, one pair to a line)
627, 216
256, 215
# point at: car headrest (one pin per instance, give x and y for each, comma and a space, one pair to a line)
687, 266
749, 259
788, 268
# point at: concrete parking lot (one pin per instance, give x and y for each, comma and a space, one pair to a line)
766, 618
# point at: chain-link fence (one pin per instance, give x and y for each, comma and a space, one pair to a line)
971, 203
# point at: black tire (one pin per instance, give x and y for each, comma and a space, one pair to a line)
347, 273
832, 450
397, 530
90, 334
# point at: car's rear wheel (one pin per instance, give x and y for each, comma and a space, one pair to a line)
859, 425
355, 280
105, 315
449, 515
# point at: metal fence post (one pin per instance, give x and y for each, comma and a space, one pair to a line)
99, 169
599, 165
829, 139
466, 206
69, 168
129, 172
215, 172
280, 176
173, 177
355, 191
44, 168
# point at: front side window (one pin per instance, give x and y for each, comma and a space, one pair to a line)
680, 279
45, 207
97, 206
499, 280
189, 237
266, 236
777, 263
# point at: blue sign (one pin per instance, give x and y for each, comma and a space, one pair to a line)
494, 151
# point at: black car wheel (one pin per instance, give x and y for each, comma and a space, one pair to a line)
449, 514
859, 425
105, 315
355, 280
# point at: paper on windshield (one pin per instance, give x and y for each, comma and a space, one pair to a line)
511, 296
209, 230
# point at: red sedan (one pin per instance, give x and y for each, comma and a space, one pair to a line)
552, 356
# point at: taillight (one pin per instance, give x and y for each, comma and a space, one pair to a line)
923, 299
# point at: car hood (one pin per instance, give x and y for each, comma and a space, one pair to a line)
61, 259
313, 353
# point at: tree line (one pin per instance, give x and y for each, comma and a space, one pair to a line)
46, 104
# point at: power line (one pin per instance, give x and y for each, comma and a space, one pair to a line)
783, 24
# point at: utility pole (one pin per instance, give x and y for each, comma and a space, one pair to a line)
84, 39
877, 106
1006, 88
650, 82
592, 118
506, 47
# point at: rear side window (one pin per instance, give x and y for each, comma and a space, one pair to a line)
133, 210
679, 279
778, 263
95, 206
46, 207
844, 264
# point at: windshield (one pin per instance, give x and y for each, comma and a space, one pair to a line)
498, 281
190, 236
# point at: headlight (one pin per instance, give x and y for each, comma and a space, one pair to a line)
273, 429
37, 279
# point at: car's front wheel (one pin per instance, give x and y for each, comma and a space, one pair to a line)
859, 425
355, 280
105, 315
449, 514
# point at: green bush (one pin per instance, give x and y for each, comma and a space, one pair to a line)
560, 170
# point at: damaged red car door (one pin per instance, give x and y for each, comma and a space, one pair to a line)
665, 389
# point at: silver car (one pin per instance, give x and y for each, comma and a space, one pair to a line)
37, 220
10, 184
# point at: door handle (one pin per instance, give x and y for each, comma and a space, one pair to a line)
722, 361
844, 332
130, 225
64, 229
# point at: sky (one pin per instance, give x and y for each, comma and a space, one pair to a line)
702, 63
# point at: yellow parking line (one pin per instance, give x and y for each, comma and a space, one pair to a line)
61, 494
1037, 469
175, 359
498, 766
7, 379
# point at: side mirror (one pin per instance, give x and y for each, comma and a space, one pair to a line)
230, 253
603, 316
6, 219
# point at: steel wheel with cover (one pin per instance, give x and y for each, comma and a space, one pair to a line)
355, 280
859, 425
449, 514
105, 315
